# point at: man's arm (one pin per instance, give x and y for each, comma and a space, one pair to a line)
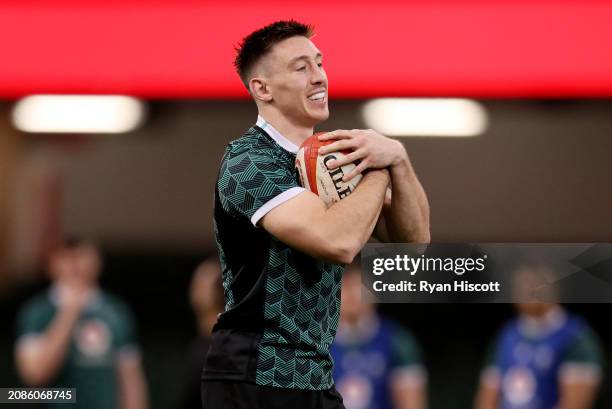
489, 387
408, 380
39, 357
487, 396
409, 395
580, 373
576, 395
405, 216
335, 234
132, 383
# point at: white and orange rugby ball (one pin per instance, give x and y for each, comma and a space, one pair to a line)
317, 177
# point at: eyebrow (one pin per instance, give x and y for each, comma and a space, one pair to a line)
303, 57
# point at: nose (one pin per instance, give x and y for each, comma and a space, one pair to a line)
318, 76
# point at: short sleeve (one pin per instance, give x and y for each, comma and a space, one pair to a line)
126, 336
583, 360
491, 353
490, 373
408, 365
406, 350
33, 319
254, 182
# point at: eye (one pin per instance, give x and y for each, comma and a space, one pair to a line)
301, 68
320, 64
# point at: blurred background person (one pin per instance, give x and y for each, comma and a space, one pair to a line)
207, 301
75, 335
377, 363
546, 358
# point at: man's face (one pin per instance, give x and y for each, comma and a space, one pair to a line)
352, 307
533, 294
205, 290
79, 266
296, 79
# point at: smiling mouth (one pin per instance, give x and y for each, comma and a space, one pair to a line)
318, 97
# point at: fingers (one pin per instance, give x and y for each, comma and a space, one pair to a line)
358, 169
338, 146
337, 134
349, 158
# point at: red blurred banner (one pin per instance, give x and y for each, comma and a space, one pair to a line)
170, 49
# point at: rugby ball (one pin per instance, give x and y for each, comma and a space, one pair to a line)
317, 177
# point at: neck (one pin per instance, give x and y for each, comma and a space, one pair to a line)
206, 323
357, 319
546, 313
295, 132
544, 323
358, 330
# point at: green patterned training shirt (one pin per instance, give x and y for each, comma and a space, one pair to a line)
104, 333
281, 305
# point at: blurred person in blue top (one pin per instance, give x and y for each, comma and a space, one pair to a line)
377, 363
75, 335
545, 358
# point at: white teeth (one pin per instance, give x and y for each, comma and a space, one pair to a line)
317, 96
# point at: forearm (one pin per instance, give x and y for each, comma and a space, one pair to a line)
41, 362
487, 398
133, 387
335, 234
354, 217
410, 398
407, 215
577, 395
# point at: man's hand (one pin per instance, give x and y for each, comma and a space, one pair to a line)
39, 357
370, 148
405, 214
75, 296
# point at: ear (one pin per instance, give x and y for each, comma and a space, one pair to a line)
260, 89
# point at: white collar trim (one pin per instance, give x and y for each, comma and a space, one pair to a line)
538, 327
57, 295
365, 328
277, 136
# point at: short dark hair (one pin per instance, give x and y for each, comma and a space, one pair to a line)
72, 242
258, 43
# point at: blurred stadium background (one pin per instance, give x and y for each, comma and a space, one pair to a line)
525, 155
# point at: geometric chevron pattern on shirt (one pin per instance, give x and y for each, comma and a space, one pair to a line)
302, 294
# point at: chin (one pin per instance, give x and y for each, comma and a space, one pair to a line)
318, 117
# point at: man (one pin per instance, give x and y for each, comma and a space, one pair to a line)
206, 296
282, 251
377, 363
77, 336
546, 358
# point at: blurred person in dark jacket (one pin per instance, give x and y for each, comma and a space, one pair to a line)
76, 335
206, 298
